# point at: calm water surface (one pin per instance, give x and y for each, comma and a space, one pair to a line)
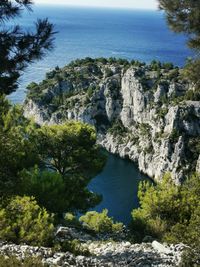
118, 184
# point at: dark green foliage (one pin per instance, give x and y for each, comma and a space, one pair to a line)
48, 188
19, 48
162, 112
108, 72
69, 150
15, 262
190, 258
191, 72
155, 65
137, 63
193, 95
34, 91
167, 66
4, 109
169, 212
174, 136
58, 194
193, 146
145, 129
16, 148
183, 16
23, 221
90, 91
173, 74
146, 83
117, 128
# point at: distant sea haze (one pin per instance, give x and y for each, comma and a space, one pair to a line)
82, 32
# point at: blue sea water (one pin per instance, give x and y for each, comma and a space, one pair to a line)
130, 34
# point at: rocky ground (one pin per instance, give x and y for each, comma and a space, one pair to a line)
102, 253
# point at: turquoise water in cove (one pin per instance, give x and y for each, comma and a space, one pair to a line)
130, 34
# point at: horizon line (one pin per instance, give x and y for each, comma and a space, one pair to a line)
96, 6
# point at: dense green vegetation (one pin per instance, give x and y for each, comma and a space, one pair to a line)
74, 246
117, 128
169, 212
66, 156
27, 262
23, 221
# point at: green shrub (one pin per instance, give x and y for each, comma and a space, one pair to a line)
117, 128
34, 91
167, 66
190, 258
155, 65
23, 221
162, 113
173, 74
100, 222
174, 136
193, 146
108, 72
74, 246
193, 95
71, 220
15, 262
168, 212
145, 129
90, 91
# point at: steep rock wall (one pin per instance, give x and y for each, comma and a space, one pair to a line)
137, 116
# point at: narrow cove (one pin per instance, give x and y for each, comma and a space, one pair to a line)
118, 184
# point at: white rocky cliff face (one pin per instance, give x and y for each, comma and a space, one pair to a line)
135, 116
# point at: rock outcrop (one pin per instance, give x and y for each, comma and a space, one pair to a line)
100, 253
139, 113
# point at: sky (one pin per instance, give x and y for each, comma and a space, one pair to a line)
137, 4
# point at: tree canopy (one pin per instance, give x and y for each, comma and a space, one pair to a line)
183, 16
69, 148
18, 48
22, 220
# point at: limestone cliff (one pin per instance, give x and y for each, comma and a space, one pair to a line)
142, 112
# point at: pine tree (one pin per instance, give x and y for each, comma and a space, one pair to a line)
19, 48
183, 16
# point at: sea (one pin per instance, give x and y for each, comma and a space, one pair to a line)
95, 32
